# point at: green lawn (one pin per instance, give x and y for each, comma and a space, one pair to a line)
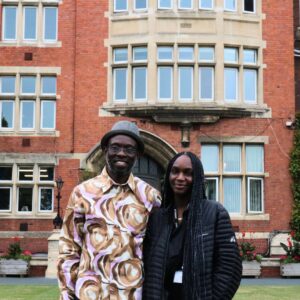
31, 292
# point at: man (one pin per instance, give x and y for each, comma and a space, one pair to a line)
104, 225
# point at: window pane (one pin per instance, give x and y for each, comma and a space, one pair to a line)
186, 53
164, 3
230, 4
185, 4
48, 114
50, 23
120, 5
255, 158
230, 55
5, 194
140, 53
232, 158
165, 82
230, 83
120, 55
255, 195
10, 22
206, 85
186, 83
249, 56
210, 158
206, 53
7, 85
140, 83
46, 173
207, 4
232, 194
25, 173
28, 84
140, 4
29, 23
211, 190
5, 173
49, 85
250, 85
120, 84
46, 199
249, 5
25, 199
7, 114
165, 53
27, 114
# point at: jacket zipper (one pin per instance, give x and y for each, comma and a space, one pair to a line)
165, 262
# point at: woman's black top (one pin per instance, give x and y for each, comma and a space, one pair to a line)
175, 259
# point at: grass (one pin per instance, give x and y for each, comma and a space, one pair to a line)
47, 292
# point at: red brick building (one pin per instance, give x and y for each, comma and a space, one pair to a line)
213, 77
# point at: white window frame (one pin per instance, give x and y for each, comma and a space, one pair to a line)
120, 10
216, 179
213, 84
252, 102
165, 60
119, 61
255, 57
228, 9
18, 199
4, 21
249, 12
192, 84
44, 24
186, 8
139, 60
19, 168
237, 85
164, 7
13, 116
186, 60
248, 195
140, 9
124, 100
146, 84
42, 115
206, 8
21, 86
6, 94
39, 202
10, 196
42, 84
241, 158
21, 110
36, 23
158, 85
206, 60
44, 182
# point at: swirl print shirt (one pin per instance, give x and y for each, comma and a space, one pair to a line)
100, 247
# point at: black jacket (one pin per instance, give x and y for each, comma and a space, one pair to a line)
221, 272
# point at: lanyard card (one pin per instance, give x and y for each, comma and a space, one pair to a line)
178, 277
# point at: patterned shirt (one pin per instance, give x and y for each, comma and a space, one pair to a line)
100, 248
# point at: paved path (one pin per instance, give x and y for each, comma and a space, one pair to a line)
47, 281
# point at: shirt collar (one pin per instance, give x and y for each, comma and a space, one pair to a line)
108, 183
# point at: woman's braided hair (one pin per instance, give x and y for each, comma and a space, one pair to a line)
193, 259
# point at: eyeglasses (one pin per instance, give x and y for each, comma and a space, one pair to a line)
129, 150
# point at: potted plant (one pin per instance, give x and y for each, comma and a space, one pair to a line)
16, 261
290, 263
251, 260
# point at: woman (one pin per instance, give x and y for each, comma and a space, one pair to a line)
190, 250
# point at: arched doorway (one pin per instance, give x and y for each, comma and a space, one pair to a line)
150, 167
149, 170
